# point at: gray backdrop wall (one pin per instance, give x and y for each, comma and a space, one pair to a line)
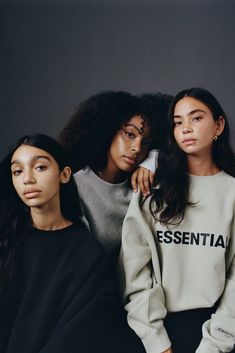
56, 53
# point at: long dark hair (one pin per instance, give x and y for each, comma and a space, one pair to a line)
170, 197
15, 220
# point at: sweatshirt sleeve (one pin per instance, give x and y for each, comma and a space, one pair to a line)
140, 280
150, 162
219, 331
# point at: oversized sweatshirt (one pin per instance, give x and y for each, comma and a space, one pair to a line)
60, 298
184, 267
104, 205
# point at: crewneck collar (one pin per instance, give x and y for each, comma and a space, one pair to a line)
54, 232
207, 177
102, 181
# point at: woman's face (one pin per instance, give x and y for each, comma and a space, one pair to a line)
130, 146
36, 177
195, 127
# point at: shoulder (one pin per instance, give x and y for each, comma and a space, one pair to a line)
226, 185
221, 179
82, 173
86, 179
135, 202
230, 179
73, 239
73, 246
138, 203
213, 190
83, 254
139, 208
90, 256
86, 241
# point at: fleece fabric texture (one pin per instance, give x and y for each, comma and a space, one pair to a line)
182, 267
104, 205
60, 298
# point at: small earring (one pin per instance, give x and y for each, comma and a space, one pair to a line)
215, 138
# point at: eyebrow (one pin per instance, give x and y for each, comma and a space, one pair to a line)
140, 130
191, 113
35, 158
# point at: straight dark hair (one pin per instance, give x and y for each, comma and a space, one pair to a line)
15, 220
170, 195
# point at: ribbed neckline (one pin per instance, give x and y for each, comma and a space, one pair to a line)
207, 177
102, 181
56, 232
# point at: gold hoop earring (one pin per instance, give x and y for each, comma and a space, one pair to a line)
215, 138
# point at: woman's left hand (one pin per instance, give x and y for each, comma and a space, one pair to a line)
142, 178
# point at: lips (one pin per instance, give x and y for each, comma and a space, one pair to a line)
31, 193
188, 141
130, 159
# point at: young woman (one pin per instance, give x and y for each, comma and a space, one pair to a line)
56, 295
178, 247
110, 134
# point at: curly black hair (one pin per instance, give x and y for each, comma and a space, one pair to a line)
89, 133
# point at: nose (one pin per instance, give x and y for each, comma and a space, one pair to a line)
28, 178
187, 128
136, 146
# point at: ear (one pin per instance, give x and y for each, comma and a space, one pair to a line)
220, 126
65, 175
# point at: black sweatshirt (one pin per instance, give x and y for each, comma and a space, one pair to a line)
60, 298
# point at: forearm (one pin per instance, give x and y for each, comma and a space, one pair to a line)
219, 331
140, 284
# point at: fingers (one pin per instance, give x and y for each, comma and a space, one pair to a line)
144, 181
134, 180
142, 178
151, 178
169, 350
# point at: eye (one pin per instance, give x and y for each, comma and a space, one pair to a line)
16, 172
197, 118
129, 134
177, 123
40, 168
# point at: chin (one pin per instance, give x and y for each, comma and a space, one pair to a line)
33, 203
128, 170
190, 149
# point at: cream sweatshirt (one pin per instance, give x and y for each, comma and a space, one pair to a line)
183, 267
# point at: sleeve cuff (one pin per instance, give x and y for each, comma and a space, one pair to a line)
156, 342
207, 347
150, 162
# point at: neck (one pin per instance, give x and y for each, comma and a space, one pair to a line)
111, 176
46, 220
202, 166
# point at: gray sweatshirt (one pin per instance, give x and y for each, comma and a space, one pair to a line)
188, 266
104, 205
